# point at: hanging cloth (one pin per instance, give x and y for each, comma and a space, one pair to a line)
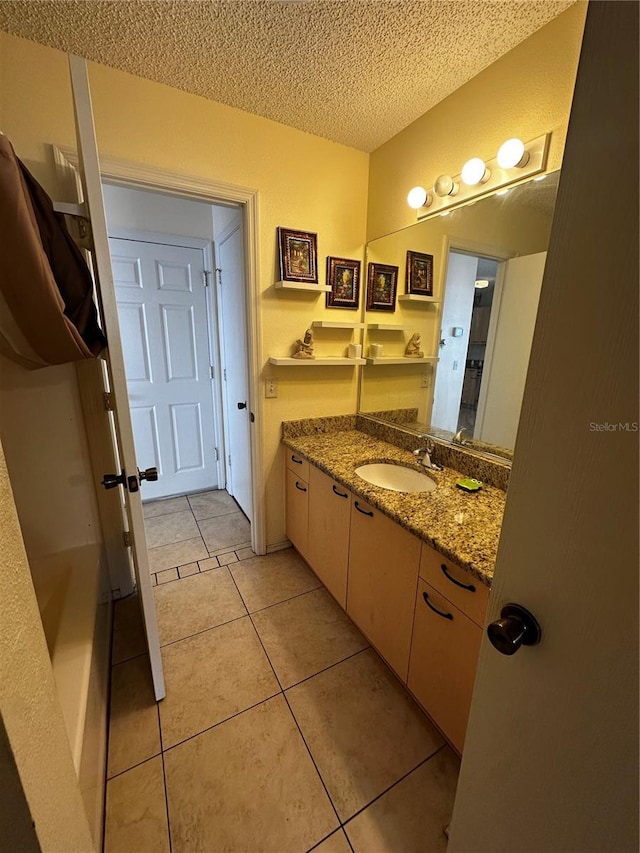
47, 314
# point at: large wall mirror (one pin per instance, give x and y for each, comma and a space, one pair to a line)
475, 331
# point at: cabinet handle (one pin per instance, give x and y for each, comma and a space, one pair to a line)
435, 609
445, 572
301, 488
363, 511
297, 461
339, 494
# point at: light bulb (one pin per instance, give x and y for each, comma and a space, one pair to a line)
475, 172
417, 197
481, 282
512, 153
444, 186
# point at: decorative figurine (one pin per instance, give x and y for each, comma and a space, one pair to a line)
413, 347
304, 348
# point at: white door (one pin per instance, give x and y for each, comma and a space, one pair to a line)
90, 172
551, 753
231, 295
457, 311
508, 351
161, 296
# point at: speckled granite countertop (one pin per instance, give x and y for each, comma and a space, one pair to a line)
464, 527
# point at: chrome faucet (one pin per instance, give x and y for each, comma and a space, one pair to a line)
427, 450
459, 438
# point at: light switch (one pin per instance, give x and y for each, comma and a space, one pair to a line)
271, 387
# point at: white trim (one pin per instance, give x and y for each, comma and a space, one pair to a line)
279, 546
159, 237
129, 174
496, 304
215, 359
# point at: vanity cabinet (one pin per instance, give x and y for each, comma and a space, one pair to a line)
457, 585
297, 520
444, 656
383, 573
328, 539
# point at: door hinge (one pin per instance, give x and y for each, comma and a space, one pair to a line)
205, 277
108, 400
127, 539
219, 274
212, 371
224, 373
217, 454
229, 460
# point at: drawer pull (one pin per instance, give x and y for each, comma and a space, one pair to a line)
468, 586
299, 487
297, 461
435, 609
339, 494
363, 511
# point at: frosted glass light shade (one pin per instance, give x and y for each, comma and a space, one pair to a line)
511, 153
444, 186
417, 197
474, 172
481, 282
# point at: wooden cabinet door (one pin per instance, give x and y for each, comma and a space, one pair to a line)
444, 656
381, 589
298, 512
328, 545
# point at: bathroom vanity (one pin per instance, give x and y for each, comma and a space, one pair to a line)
412, 570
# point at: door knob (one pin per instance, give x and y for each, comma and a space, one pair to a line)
110, 481
242, 405
516, 627
149, 474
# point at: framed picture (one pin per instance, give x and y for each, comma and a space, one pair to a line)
343, 276
419, 274
298, 255
382, 283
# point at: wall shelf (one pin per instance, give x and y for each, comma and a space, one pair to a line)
416, 298
329, 324
315, 362
385, 327
302, 286
403, 360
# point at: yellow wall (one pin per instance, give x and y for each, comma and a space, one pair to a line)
304, 182
525, 93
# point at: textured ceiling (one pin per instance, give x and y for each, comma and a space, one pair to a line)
353, 71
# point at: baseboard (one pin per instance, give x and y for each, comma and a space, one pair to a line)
279, 546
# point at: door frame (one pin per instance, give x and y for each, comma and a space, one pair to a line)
212, 322
131, 174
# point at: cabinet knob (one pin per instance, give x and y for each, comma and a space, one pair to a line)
516, 627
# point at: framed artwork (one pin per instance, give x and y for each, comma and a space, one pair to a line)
298, 255
419, 276
343, 276
382, 283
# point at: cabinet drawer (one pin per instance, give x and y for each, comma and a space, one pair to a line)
461, 588
297, 464
444, 657
298, 512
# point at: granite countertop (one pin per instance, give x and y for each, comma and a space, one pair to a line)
464, 527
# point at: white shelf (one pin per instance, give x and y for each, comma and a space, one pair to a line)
329, 324
315, 362
303, 286
385, 327
403, 360
414, 297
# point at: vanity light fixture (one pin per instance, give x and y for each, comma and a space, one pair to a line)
475, 172
481, 283
418, 197
445, 186
503, 192
512, 154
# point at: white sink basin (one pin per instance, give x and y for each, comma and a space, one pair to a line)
395, 477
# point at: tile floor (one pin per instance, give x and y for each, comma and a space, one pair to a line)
282, 730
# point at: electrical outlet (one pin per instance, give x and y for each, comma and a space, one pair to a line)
424, 380
270, 387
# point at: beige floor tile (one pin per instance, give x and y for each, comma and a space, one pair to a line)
195, 604
247, 785
227, 559
336, 843
268, 580
167, 576
188, 570
165, 529
165, 506
134, 733
211, 677
245, 553
128, 631
306, 634
211, 504
136, 812
225, 531
411, 816
362, 728
208, 564
177, 554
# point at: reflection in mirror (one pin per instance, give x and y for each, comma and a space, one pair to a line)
476, 330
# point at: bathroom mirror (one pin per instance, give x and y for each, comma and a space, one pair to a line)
477, 327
